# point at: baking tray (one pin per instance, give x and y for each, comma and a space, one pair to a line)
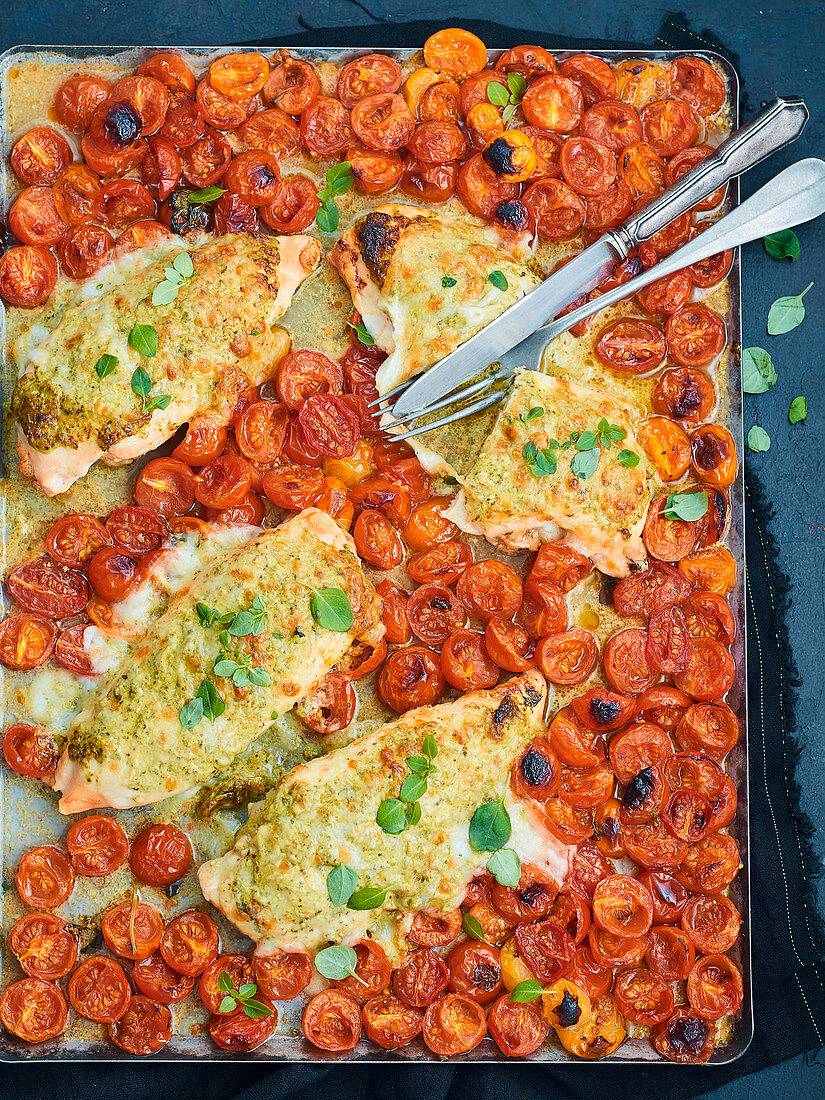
28, 813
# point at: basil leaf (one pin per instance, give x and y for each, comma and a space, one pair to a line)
783, 245
331, 609
363, 334
174, 276
228, 1004
343, 168
586, 441
105, 366
527, 991
508, 113
242, 624
213, 704
341, 185
391, 816
758, 372
336, 962
246, 990
256, 1010
327, 218
144, 340
628, 458
490, 827
430, 747
413, 813
240, 677
162, 401
370, 897
498, 279
341, 881
225, 667
497, 93
505, 867
208, 615
798, 410
585, 463
531, 414
260, 677
448, 280
787, 313
686, 506
182, 263
412, 788
207, 194
141, 382
191, 713
517, 85
418, 764
225, 982
473, 927
758, 439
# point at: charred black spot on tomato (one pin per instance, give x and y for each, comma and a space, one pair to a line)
568, 1010
440, 604
186, 218
536, 769
511, 214
639, 789
122, 124
688, 1034
716, 518
532, 893
499, 155
689, 398
486, 976
604, 711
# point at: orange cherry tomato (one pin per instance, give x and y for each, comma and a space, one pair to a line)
668, 294
374, 171
411, 677
490, 590
455, 52
143, 234
272, 131
465, 662
34, 218
145, 1027
160, 855
239, 75
454, 1024
325, 127
77, 99
167, 486
171, 70
33, 1010
585, 788
390, 1023
695, 335
669, 126
249, 513
570, 824
238, 968
642, 745
133, 930
669, 953
437, 142
330, 706
543, 608
568, 657
382, 121
44, 878
530, 900
30, 750
97, 845
206, 160
219, 110
713, 569
440, 102
303, 373
687, 815
421, 977
571, 911
509, 645
368, 75
710, 672
546, 948
710, 865
40, 156
184, 122
332, 1021
663, 706
652, 846
553, 102
594, 76
640, 82
281, 975
556, 210
158, 981
696, 82
44, 945
575, 744
255, 175
587, 166
294, 208
292, 85
190, 943
686, 394
622, 905
426, 525
394, 613
612, 124
481, 191
711, 728
223, 482
713, 455
712, 922
641, 169
99, 990
511, 156
644, 997
669, 539
529, 61
445, 562
84, 250
28, 275
685, 1037
602, 710
204, 441
612, 950
666, 446
435, 929
708, 615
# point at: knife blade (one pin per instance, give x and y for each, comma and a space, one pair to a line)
583, 273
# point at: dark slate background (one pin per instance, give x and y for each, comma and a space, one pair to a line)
780, 48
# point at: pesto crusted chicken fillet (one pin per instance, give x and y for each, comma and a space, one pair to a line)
251, 635
274, 883
119, 374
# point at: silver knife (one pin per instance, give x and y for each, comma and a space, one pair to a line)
780, 123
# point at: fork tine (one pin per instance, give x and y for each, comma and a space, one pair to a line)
459, 414
452, 398
390, 393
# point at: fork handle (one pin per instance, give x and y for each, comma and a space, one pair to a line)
782, 121
795, 196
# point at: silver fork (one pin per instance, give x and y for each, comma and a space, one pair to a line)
795, 196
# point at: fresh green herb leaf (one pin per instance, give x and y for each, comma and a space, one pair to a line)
161, 401
225, 667
517, 85
392, 816
228, 1004
541, 463
331, 609
412, 788
336, 962
341, 882
686, 506
758, 372
787, 313
413, 813
327, 219
165, 293
758, 439
144, 340
418, 764
490, 827
105, 366
450, 480
505, 867
473, 927
260, 677
628, 458
497, 93
256, 1010
182, 263
508, 113
191, 713
498, 279
339, 171
339, 179
531, 414
369, 897
529, 990
141, 382
207, 194
448, 280
213, 704
208, 615
255, 332
585, 463
363, 334
586, 441
225, 982
430, 747
783, 245
247, 990
798, 410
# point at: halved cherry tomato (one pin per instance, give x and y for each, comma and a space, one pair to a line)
426, 526
640, 746
529, 61
204, 441
475, 971
645, 594
126, 201
561, 565
99, 990
136, 529
440, 102
640, 82
555, 209
411, 677
223, 482
669, 952
272, 131
713, 270
435, 929
641, 170
710, 865
669, 126
612, 124
113, 574
685, 394
586, 787
255, 175
184, 122
147, 96
374, 171
145, 1027
631, 345
683, 163
669, 539
28, 275
623, 905
666, 446
530, 900
695, 335
465, 661
693, 80
158, 981
281, 975
293, 487
434, 612
332, 1021
33, 1010
143, 234
70, 650
110, 160
329, 424
710, 672
34, 218
663, 706
644, 796
669, 646
570, 824
644, 997
261, 431
239, 75
490, 589
626, 663
569, 656
393, 613
390, 1023
26, 641
303, 373
713, 568
712, 922
368, 75
372, 968
593, 76
160, 855
44, 945
454, 1024
133, 929
171, 70
574, 744
669, 896
239, 1033
614, 950
238, 968
166, 486
249, 513
376, 540
600, 709
40, 156
445, 562
205, 160
190, 942
687, 815
652, 846
481, 191
292, 85
97, 845
219, 110
508, 645
438, 142
383, 121
708, 727
713, 455
330, 706
77, 99
456, 52
685, 1037
421, 977
325, 127
46, 587
294, 207
431, 183
553, 102
608, 827
30, 750
546, 948
587, 166
84, 250
571, 911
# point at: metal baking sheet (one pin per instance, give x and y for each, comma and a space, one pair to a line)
29, 75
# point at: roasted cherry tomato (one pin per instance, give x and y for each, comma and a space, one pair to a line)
219, 110
666, 536
184, 122
555, 209
642, 745
669, 896
143, 234
669, 952
171, 70
431, 183
481, 190
528, 61
570, 824
100, 990
28, 275
332, 1021
133, 929
632, 346
167, 486
696, 82
652, 846
40, 156
712, 922
325, 127
686, 394
293, 487
390, 1023
190, 943
683, 163
255, 175
205, 160
160, 855
695, 335
710, 865
455, 52
612, 124
475, 971
622, 905
84, 250
664, 706
136, 529
490, 589
281, 975
411, 677
684, 1037
666, 446
586, 787
600, 709
239, 75
157, 980
644, 997
454, 1024
330, 706
561, 565
30, 750
377, 541
44, 878
44, 945
33, 1010
710, 672
145, 1027
238, 968
46, 587
97, 845
626, 663
645, 594
113, 574
203, 443
669, 646
568, 657
543, 608
421, 977
530, 900
465, 662
435, 929
34, 218
77, 99
292, 86
508, 645
223, 482
535, 773
239, 1033
393, 614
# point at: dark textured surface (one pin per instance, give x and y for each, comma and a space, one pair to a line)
779, 50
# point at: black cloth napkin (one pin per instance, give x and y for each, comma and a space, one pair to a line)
787, 933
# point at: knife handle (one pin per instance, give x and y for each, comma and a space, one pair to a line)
781, 122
